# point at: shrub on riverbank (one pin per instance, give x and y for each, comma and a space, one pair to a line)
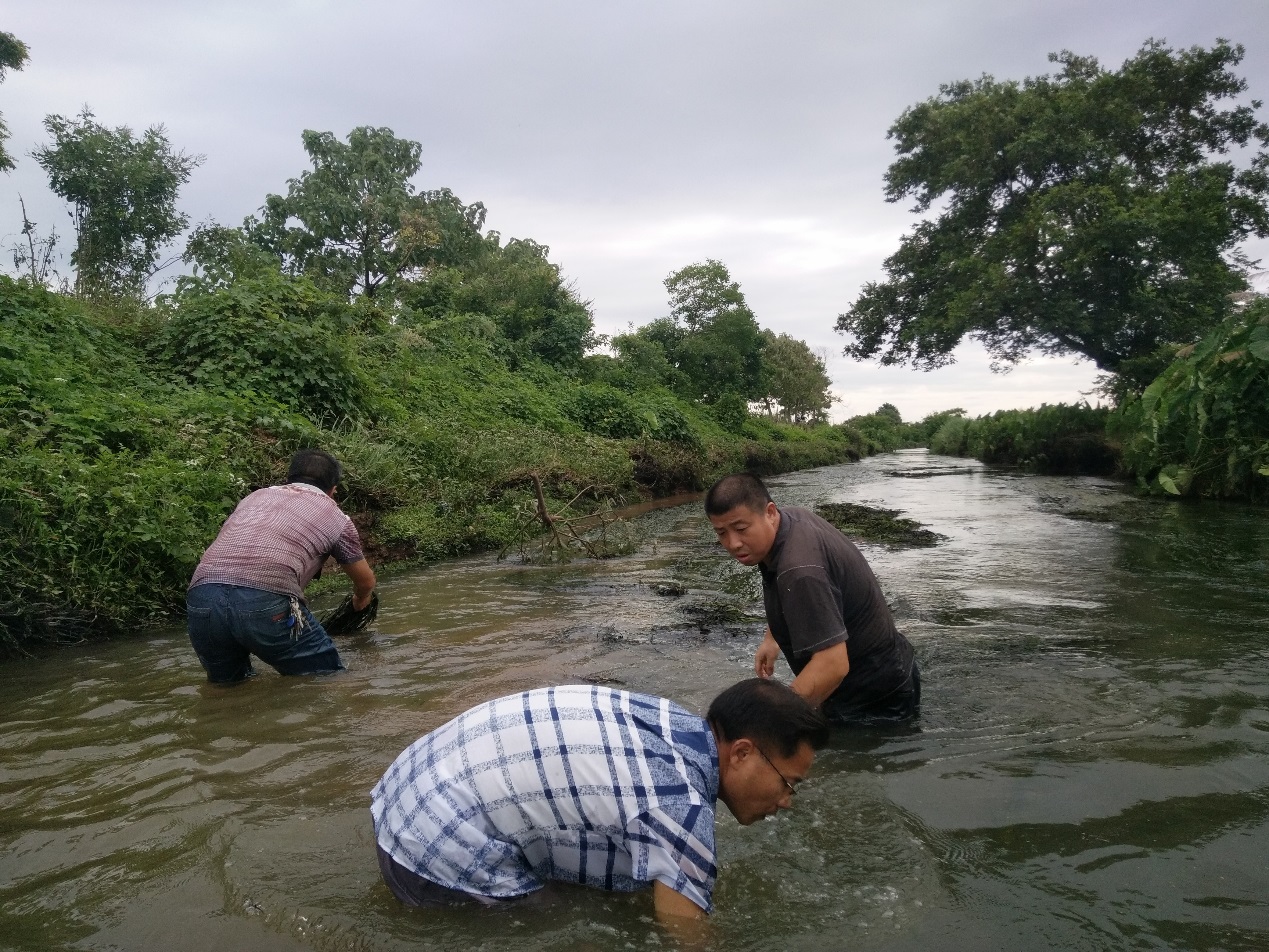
127, 435
1053, 438
1202, 427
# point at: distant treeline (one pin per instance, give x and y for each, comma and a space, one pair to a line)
1201, 428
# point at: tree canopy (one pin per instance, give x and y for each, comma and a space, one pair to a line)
796, 379
1091, 212
122, 190
13, 55
711, 342
360, 222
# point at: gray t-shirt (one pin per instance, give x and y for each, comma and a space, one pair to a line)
818, 591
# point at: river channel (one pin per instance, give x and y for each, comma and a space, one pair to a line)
1090, 770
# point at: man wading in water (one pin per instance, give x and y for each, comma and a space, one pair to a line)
247, 594
586, 784
825, 610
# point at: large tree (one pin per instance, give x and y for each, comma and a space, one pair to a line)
711, 336
122, 189
13, 55
797, 383
353, 223
1091, 212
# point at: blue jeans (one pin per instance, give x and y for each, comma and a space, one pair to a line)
228, 624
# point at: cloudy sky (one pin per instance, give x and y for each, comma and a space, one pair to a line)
632, 138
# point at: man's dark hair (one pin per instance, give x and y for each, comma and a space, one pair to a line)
315, 467
769, 714
738, 489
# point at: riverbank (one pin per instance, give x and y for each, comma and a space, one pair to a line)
117, 468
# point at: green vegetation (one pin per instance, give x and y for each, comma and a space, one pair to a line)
1202, 427
13, 55
453, 373
1093, 212
1051, 439
122, 191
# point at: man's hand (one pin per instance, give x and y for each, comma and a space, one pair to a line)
768, 652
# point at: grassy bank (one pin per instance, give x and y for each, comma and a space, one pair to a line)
128, 433
1201, 428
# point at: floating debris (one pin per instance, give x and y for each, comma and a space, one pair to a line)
871, 524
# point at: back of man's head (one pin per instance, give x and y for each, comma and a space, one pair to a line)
738, 489
770, 714
315, 467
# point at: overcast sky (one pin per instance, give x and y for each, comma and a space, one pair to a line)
632, 138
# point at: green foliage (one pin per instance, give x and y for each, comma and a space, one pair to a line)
1202, 427
610, 412
1087, 213
797, 383
732, 412
122, 190
924, 432
883, 430
1053, 438
709, 345
13, 55
354, 208
111, 481
535, 312
273, 335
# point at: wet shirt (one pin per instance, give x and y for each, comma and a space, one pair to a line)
277, 539
818, 591
578, 783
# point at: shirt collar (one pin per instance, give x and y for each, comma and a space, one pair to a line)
308, 486
778, 543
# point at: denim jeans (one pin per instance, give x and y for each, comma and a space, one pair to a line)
228, 624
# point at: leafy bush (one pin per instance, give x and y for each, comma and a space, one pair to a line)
604, 410
269, 334
1052, 438
1202, 427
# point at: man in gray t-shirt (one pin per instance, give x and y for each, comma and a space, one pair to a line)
825, 611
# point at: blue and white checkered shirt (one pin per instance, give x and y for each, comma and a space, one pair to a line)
577, 783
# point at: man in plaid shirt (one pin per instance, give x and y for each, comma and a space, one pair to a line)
588, 785
247, 594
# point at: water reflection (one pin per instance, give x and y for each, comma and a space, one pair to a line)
1089, 772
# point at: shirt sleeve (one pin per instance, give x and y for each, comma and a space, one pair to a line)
812, 609
348, 547
676, 851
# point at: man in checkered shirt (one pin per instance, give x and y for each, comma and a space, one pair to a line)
588, 785
247, 594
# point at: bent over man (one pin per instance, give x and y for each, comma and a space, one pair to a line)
247, 594
825, 610
587, 785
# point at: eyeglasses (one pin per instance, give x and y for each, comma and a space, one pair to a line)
792, 789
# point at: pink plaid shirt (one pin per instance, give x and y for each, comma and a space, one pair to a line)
277, 539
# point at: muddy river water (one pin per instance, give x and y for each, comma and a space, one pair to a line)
1090, 770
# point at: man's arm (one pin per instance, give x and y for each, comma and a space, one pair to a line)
363, 579
823, 674
679, 916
